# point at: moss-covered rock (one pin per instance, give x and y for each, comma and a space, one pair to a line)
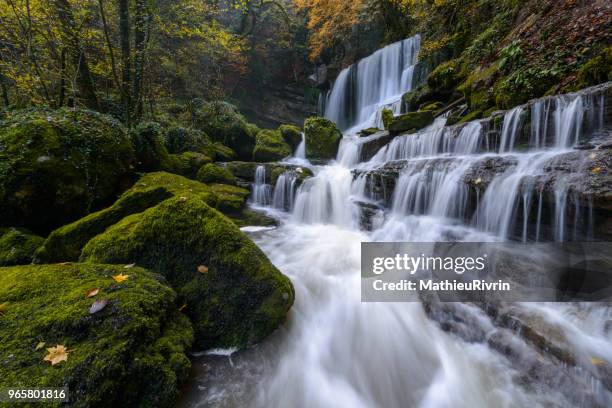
151, 152
230, 199
411, 122
58, 165
17, 246
368, 132
234, 295
445, 77
246, 171
250, 217
223, 123
66, 242
180, 139
188, 163
270, 146
322, 138
434, 106
292, 135
213, 173
132, 353
387, 117
596, 71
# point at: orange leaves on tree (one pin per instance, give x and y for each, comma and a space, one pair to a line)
56, 354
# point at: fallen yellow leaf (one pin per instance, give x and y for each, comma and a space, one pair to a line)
120, 278
183, 307
40, 345
92, 292
202, 269
57, 354
597, 361
596, 170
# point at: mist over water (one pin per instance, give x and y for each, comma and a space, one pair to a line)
335, 351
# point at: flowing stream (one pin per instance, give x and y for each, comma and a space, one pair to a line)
335, 351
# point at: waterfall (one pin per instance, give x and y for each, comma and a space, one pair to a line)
284, 191
379, 80
300, 151
261, 192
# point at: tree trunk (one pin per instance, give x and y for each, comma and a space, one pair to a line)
124, 34
141, 22
77, 53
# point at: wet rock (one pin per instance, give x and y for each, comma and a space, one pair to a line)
410, 122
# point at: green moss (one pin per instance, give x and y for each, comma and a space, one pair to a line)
292, 135
230, 199
368, 132
322, 138
151, 151
471, 116
58, 165
213, 173
246, 171
222, 153
434, 106
223, 123
596, 71
476, 88
387, 117
411, 122
66, 242
188, 163
181, 139
131, 353
238, 301
249, 217
17, 246
445, 76
270, 146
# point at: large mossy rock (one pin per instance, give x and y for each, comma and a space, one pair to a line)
322, 138
411, 122
58, 165
132, 353
17, 246
234, 295
223, 123
180, 139
292, 135
213, 173
151, 152
270, 146
66, 242
230, 199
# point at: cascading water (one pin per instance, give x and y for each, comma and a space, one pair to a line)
443, 183
261, 192
284, 191
363, 89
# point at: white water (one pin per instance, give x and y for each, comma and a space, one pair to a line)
375, 82
335, 351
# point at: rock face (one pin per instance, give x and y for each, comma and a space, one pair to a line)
234, 295
410, 122
223, 123
130, 353
270, 146
17, 246
322, 138
56, 166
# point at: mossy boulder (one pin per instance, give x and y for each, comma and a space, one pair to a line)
445, 77
596, 71
58, 165
151, 152
222, 122
387, 117
230, 199
180, 139
322, 138
132, 353
368, 132
188, 163
17, 246
234, 295
434, 106
66, 242
292, 135
411, 122
270, 146
213, 173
